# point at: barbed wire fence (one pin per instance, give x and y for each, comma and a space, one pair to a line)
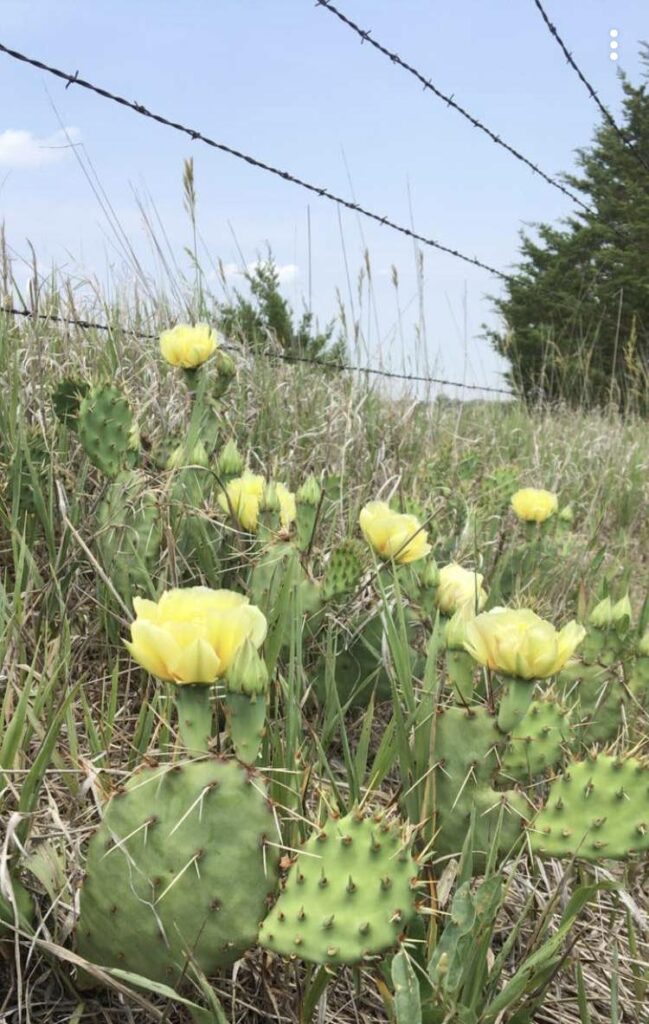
335, 366
197, 136
622, 135
365, 36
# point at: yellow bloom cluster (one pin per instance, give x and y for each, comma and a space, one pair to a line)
188, 346
243, 497
520, 644
458, 587
393, 534
533, 505
192, 635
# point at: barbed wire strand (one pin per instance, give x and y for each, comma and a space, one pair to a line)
197, 136
285, 357
366, 37
622, 135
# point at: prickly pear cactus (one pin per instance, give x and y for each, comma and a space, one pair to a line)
343, 571
106, 429
601, 699
349, 895
129, 533
179, 868
66, 399
537, 743
467, 752
197, 535
596, 810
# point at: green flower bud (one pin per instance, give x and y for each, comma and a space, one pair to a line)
309, 493
566, 514
270, 499
179, 457
643, 646
248, 673
602, 614
622, 609
230, 462
456, 628
225, 364
430, 575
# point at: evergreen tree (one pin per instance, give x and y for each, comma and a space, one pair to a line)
266, 320
576, 312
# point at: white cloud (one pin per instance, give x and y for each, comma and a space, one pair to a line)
20, 148
287, 272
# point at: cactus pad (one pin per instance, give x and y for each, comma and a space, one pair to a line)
129, 533
597, 809
105, 425
66, 399
537, 743
343, 571
349, 895
467, 752
179, 868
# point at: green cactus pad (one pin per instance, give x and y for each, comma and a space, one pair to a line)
196, 533
600, 702
467, 753
343, 571
105, 425
359, 667
596, 810
66, 399
129, 533
349, 895
180, 865
537, 743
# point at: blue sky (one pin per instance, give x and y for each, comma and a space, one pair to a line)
287, 82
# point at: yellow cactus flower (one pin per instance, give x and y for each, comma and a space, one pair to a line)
188, 346
533, 505
192, 635
242, 497
457, 587
288, 508
518, 643
392, 534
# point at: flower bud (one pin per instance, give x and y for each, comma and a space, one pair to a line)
430, 575
225, 364
643, 646
622, 610
456, 628
602, 614
248, 673
230, 462
179, 457
566, 515
309, 493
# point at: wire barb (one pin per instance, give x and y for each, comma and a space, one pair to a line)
624, 138
427, 85
253, 161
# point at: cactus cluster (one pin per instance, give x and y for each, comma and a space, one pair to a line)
180, 870
348, 896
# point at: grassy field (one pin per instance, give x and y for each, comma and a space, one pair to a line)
500, 934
